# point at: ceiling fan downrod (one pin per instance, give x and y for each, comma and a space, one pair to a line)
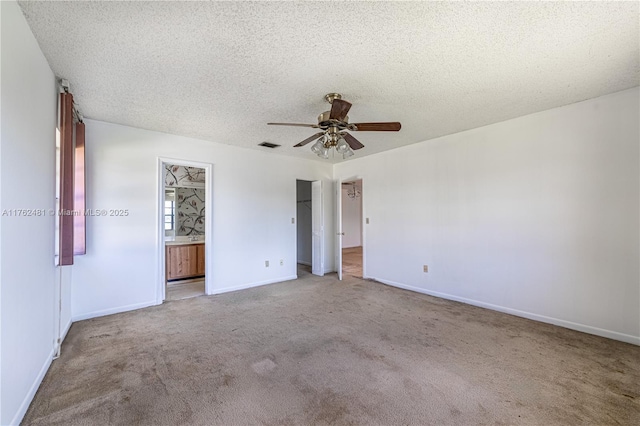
329, 97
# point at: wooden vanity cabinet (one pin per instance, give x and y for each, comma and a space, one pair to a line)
200, 257
184, 261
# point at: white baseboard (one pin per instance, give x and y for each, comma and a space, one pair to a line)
635, 340
65, 330
256, 284
112, 311
22, 410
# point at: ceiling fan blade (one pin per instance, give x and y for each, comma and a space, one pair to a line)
353, 142
392, 126
315, 126
339, 109
309, 139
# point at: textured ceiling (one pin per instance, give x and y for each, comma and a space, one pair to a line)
221, 70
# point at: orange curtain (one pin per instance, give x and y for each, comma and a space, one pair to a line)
79, 220
67, 155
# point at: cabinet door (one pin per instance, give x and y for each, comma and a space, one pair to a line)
167, 263
201, 258
182, 261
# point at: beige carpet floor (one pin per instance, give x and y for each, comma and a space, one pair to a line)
316, 351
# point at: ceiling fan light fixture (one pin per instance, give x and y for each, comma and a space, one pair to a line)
317, 147
342, 146
324, 153
333, 124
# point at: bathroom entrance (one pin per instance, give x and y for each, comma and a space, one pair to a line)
185, 216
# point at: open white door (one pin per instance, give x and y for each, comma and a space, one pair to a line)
317, 229
339, 232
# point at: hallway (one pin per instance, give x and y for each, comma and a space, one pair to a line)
352, 261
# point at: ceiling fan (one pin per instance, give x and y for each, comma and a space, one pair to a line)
334, 125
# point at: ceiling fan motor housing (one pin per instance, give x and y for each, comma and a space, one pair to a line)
324, 122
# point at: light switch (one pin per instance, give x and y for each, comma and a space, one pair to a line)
367, 221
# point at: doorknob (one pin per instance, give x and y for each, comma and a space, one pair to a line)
340, 233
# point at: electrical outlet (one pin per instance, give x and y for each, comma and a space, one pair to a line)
425, 268
281, 262
367, 221
266, 263
293, 220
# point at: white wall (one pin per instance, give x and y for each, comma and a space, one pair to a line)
351, 219
63, 281
27, 178
304, 226
537, 216
254, 199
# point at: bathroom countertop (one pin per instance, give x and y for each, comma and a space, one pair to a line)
181, 241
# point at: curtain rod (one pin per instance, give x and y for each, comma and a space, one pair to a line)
64, 86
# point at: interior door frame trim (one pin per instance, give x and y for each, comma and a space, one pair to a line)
363, 218
208, 224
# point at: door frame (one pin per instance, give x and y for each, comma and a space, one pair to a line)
317, 203
317, 206
208, 224
339, 232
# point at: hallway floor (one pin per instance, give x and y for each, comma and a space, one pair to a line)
352, 261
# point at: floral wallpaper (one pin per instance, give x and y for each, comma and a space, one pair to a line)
189, 198
183, 176
190, 207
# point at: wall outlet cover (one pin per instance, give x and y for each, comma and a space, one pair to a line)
266, 263
425, 268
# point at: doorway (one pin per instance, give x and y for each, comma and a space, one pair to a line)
351, 230
185, 229
309, 228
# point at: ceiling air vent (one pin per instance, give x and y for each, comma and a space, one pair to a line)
268, 145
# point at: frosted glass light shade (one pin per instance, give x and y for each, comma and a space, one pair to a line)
324, 152
317, 147
342, 146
